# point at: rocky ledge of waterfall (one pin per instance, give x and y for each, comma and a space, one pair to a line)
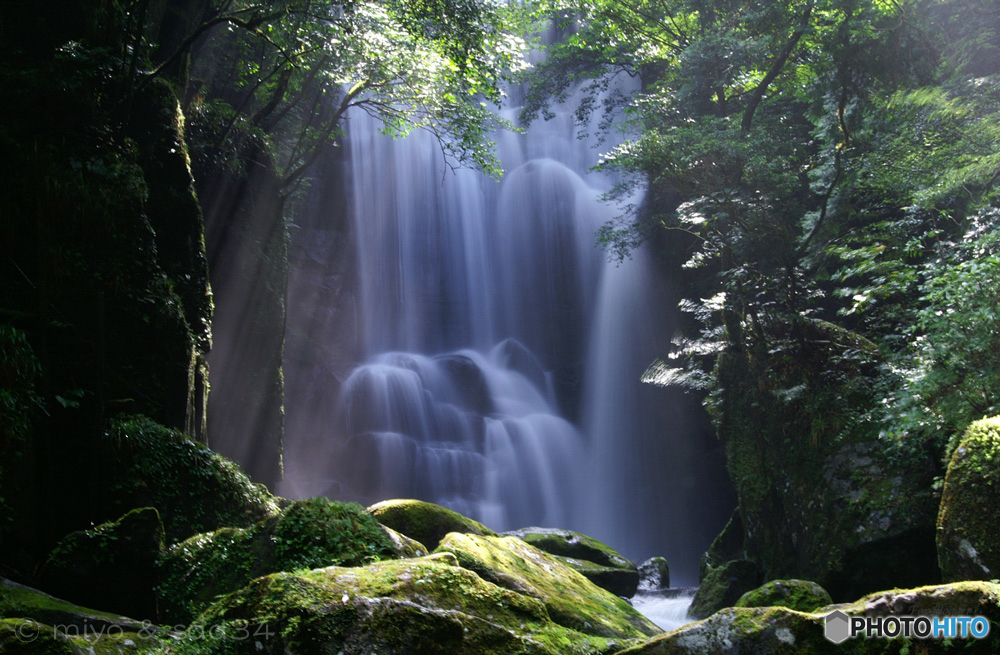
228, 568
201, 561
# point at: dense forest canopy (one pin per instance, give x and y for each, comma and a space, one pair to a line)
821, 161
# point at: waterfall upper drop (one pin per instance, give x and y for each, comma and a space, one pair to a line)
498, 353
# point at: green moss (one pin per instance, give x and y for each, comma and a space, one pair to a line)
25, 637
307, 534
415, 606
968, 535
572, 544
571, 600
403, 545
140, 528
723, 586
125, 550
194, 488
782, 631
814, 481
654, 574
34, 622
801, 595
598, 562
425, 522
727, 546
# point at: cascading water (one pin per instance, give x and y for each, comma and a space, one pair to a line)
501, 352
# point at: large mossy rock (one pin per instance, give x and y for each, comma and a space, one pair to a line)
572, 600
782, 631
194, 489
35, 623
125, 551
654, 574
968, 535
723, 586
425, 522
307, 534
821, 497
423, 606
800, 595
598, 562
728, 545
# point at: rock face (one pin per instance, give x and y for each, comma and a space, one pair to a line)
598, 562
654, 574
570, 599
403, 546
307, 534
124, 551
425, 522
723, 586
728, 545
193, 488
800, 595
781, 631
34, 623
821, 497
428, 605
968, 535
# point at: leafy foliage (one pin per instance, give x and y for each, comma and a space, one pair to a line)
294, 74
193, 488
307, 534
810, 182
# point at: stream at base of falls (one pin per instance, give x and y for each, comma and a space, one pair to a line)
667, 609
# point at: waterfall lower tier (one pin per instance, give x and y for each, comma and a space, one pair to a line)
465, 430
496, 353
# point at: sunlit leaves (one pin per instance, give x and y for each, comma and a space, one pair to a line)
296, 69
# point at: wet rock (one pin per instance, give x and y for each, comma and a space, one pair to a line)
35, 623
423, 606
598, 562
425, 522
307, 534
125, 551
723, 586
654, 574
968, 534
782, 631
570, 599
801, 595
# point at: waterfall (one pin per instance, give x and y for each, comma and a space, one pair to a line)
498, 351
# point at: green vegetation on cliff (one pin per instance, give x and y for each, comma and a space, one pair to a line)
968, 535
823, 178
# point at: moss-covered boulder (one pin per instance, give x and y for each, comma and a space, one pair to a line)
124, 551
572, 600
782, 631
35, 623
425, 522
194, 488
968, 535
723, 586
801, 595
728, 545
403, 546
598, 562
422, 606
307, 534
821, 496
654, 574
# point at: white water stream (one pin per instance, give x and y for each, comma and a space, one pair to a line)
501, 351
